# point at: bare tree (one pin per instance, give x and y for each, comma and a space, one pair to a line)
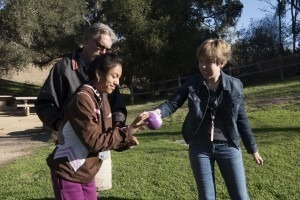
294, 8
280, 12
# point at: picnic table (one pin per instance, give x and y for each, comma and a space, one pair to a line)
5, 100
6, 97
24, 103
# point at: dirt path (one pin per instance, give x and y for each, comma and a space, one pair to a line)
19, 135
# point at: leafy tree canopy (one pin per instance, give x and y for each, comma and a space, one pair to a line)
158, 39
260, 41
42, 30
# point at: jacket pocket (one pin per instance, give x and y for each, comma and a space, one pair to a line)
197, 106
193, 97
232, 101
194, 102
231, 106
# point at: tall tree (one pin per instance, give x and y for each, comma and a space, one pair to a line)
40, 30
159, 38
281, 11
294, 9
258, 42
95, 11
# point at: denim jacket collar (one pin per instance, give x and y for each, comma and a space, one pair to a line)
225, 81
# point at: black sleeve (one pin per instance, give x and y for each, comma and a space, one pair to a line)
52, 94
118, 108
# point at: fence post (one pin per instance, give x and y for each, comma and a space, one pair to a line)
179, 81
131, 94
280, 68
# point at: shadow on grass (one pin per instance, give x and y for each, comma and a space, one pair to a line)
16, 113
8, 87
255, 130
99, 198
271, 136
46, 198
35, 134
157, 134
276, 129
115, 198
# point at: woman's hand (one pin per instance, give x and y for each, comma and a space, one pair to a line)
257, 158
138, 122
157, 111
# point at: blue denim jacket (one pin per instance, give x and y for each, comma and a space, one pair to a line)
231, 106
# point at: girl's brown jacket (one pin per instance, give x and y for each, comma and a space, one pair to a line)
90, 117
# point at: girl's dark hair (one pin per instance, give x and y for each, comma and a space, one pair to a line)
102, 64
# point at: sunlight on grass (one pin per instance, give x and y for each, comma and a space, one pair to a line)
159, 167
273, 90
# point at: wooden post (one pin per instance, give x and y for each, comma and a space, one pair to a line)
27, 111
280, 68
131, 94
153, 93
179, 81
26, 108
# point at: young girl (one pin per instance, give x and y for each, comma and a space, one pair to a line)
88, 133
215, 123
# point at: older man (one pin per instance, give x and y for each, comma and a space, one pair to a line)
70, 72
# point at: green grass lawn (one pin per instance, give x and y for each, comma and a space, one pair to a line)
8, 87
159, 167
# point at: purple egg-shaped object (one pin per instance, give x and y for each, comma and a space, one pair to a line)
154, 121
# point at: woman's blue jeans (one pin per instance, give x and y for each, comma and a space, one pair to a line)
203, 156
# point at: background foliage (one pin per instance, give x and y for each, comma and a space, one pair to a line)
157, 39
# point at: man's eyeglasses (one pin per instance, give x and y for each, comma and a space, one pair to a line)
102, 47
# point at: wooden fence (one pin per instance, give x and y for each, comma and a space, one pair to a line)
274, 69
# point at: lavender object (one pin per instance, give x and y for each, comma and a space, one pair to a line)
154, 121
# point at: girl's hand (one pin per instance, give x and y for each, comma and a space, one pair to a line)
133, 142
138, 122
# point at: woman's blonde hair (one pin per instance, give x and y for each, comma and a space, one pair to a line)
217, 50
